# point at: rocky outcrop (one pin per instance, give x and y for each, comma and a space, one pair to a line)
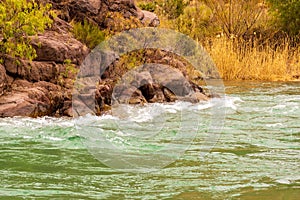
55, 47
99, 11
44, 85
31, 99
32, 70
156, 83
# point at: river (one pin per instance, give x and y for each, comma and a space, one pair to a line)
255, 156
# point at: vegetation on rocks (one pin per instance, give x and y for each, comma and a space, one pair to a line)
20, 19
88, 33
247, 39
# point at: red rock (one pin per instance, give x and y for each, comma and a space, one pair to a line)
31, 70
58, 48
3, 79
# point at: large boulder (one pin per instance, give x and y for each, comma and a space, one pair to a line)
51, 46
32, 70
128, 94
170, 78
86, 6
31, 99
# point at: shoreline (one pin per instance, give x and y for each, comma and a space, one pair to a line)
44, 85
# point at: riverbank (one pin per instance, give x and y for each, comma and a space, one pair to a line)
248, 40
255, 157
44, 86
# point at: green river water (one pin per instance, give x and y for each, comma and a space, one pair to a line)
257, 154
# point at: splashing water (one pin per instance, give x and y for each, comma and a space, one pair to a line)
257, 155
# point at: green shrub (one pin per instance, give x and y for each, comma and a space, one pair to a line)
196, 22
288, 15
172, 8
118, 23
236, 17
20, 19
149, 6
88, 33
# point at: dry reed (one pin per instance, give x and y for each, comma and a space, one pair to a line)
250, 61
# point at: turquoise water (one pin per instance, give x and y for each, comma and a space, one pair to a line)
256, 155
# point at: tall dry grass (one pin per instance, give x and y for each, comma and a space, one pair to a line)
266, 59
250, 61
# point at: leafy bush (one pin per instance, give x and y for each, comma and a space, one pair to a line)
88, 33
288, 14
236, 17
149, 6
117, 22
172, 8
20, 19
196, 22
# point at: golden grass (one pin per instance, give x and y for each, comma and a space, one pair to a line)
249, 62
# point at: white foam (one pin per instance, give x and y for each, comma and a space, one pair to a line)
232, 102
53, 138
288, 180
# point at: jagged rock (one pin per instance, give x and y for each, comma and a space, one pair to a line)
128, 94
159, 96
137, 98
87, 6
32, 70
61, 26
194, 98
169, 95
30, 99
55, 47
200, 96
170, 78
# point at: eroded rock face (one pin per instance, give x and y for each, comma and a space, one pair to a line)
95, 10
87, 6
55, 47
30, 99
31, 70
3, 79
44, 86
156, 83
